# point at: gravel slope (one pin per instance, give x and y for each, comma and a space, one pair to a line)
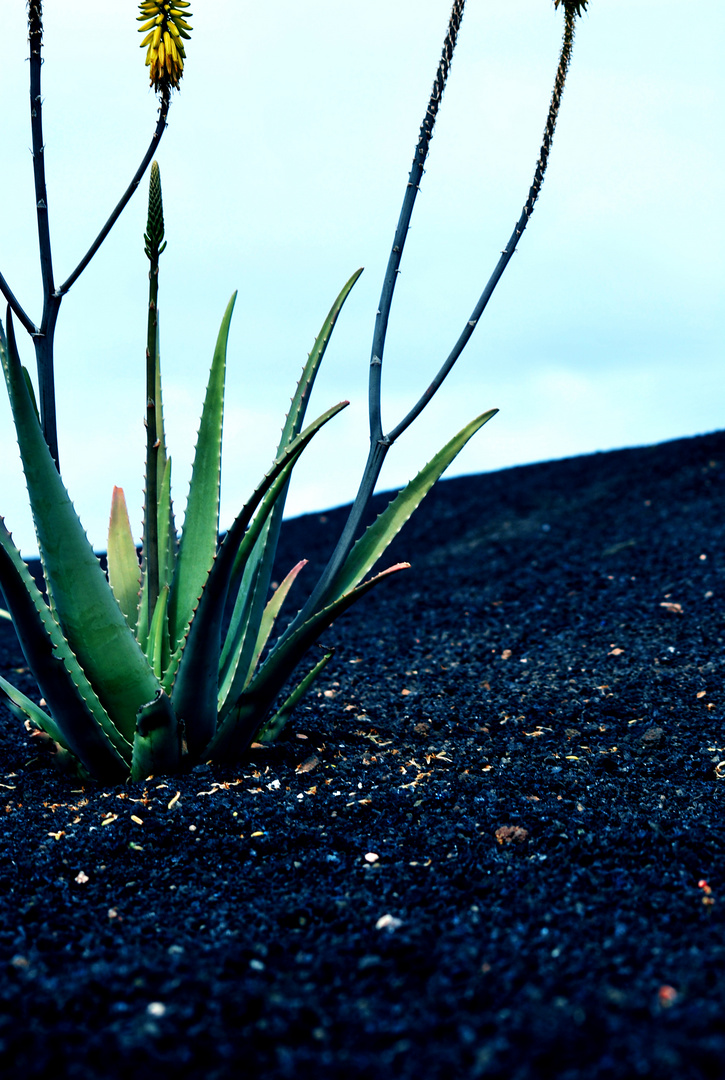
492, 845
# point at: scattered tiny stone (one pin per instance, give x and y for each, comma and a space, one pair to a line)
308, 765
667, 996
652, 737
511, 834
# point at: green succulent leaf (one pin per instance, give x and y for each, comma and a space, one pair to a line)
88, 614
167, 536
200, 534
300, 401
31, 391
237, 674
246, 717
241, 644
157, 744
196, 686
124, 570
379, 535
23, 706
158, 644
274, 727
78, 720
271, 612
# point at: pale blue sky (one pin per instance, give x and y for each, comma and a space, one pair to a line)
283, 169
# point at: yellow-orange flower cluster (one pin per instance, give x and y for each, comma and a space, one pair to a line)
578, 5
165, 25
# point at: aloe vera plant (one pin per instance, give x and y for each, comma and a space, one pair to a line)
162, 663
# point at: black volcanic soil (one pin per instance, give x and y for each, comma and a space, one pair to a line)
491, 846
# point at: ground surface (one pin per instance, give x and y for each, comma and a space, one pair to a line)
491, 847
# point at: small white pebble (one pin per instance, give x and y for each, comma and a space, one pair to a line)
388, 922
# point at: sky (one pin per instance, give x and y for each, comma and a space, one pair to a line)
283, 169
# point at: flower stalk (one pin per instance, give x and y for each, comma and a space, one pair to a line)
154, 244
43, 335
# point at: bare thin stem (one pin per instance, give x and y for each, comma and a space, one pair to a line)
43, 336
534, 190
406, 212
44, 340
35, 27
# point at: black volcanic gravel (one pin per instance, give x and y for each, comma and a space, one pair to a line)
491, 845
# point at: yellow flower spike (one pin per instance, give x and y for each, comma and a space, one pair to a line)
164, 25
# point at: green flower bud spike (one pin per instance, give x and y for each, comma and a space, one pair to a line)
154, 235
164, 23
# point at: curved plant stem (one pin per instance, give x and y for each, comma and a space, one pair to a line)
123, 201
380, 443
43, 335
44, 339
14, 305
